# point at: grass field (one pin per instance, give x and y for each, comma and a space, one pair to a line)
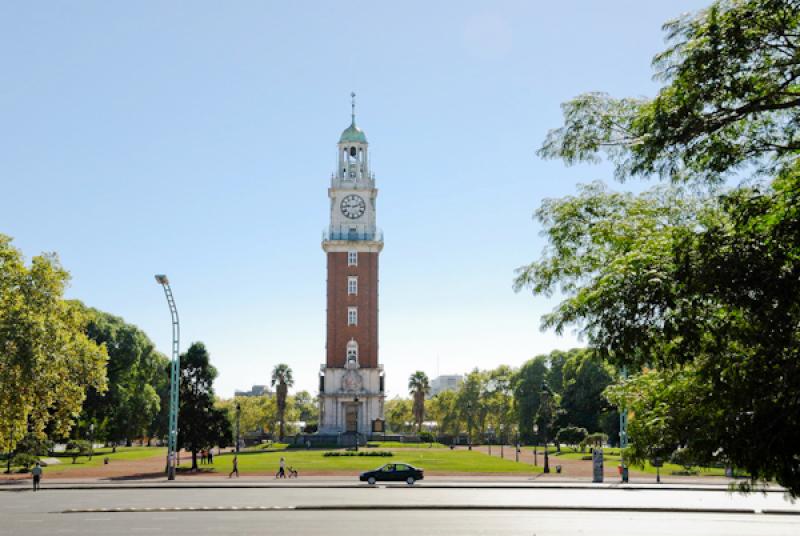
429, 459
400, 445
612, 456
123, 453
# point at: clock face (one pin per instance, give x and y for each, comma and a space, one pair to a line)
353, 206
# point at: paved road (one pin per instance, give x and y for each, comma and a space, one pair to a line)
405, 523
23, 512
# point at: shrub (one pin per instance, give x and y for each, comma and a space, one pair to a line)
572, 435
79, 448
35, 446
378, 453
24, 460
682, 457
426, 437
596, 440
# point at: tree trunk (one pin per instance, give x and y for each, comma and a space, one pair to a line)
194, 459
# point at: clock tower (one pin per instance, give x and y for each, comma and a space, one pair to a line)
351, 386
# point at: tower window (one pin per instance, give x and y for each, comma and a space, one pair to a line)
352, 285
352, 258
352, 316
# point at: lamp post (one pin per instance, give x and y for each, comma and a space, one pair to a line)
545, 403
502, 442
489, 437
356, 401
535, 445
238, 414
174, 384
469, 425
10, 452
623, 436
91, 441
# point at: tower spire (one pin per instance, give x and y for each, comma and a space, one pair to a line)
353, 107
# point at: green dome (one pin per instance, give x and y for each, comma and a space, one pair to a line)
353, 134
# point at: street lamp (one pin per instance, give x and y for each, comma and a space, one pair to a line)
502, 442
546, 404
356, 401
238, 414
10, 452
623, 436
469, 425
174, 384
91, 441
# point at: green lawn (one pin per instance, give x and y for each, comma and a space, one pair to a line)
400, 445
612, 456
442, 460
123, 453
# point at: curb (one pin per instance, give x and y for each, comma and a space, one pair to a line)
431, 507
455, 485
367, 486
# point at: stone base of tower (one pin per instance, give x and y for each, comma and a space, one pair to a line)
350, 399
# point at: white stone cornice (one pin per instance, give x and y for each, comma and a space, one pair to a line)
343, 246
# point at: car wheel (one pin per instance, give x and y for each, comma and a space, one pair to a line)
371, 481
410, 481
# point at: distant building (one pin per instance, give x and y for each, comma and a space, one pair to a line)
257, 390
449, 382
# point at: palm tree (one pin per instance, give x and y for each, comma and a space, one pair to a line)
418, 387
282, 376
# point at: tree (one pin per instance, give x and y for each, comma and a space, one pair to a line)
398, 414
729, 101
307, 407
443, 408
547, 413
282, 380
472, 403
200, 424
256, 413
46, 360
571, 435
586, 376
418, 387
135, 371
499, 399
696, 291
527, 385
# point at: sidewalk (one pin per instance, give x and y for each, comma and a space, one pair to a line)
441, 482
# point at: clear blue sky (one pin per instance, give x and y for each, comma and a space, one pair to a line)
197, 139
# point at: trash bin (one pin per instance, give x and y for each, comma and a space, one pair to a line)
558, 468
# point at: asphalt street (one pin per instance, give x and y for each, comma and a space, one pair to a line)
395, 510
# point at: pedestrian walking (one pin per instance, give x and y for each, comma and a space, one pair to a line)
281, 469
235, 467
203, 456
210, 456
37, 476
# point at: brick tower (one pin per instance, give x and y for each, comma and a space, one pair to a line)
351, 380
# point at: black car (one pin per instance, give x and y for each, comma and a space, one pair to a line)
393, 472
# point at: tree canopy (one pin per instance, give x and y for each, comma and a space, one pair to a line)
200, 423
46, 359
695, 290
135, 372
